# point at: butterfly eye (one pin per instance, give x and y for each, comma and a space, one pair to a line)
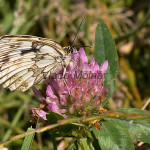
72, 49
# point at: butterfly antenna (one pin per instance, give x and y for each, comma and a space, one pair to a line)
79, 28
84, 46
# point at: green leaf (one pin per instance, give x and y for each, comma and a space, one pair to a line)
71, 129
105, 50
72, 146
111, 89
132, 110
66, 129
138, 129
53, 117
85, 144
27, 143
113, 136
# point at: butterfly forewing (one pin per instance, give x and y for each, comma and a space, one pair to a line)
28, 60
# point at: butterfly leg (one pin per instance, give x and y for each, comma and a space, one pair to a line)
66, 86
63, 76
64, 72
76, 64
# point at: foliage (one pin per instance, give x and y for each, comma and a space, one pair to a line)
129, 23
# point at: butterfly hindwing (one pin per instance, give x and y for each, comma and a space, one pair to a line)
28, 60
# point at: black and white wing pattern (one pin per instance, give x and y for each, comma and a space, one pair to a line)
28, 60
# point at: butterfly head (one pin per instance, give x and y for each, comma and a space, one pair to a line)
69, 49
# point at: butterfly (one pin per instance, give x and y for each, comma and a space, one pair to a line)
28, 60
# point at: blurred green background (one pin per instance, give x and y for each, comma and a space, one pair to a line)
129, 23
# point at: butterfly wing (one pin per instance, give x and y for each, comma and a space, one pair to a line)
28, 60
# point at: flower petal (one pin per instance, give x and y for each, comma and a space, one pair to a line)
38, 94
43, 114
49, 91
104, 67
83, 57
86, 68
53, 107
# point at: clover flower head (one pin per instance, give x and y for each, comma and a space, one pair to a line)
80, 92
